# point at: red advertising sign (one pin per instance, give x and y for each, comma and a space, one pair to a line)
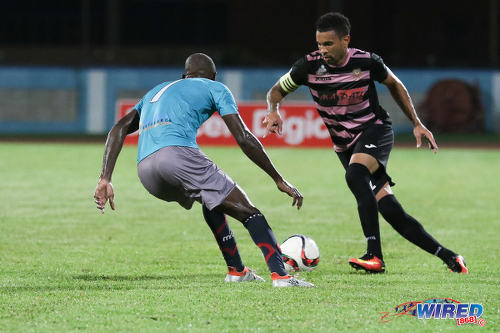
302, 126
123, 106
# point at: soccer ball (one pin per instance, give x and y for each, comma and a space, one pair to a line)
300, 253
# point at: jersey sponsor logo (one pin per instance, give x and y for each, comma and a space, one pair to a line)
345, 97
351, 96
371, 145
152, 124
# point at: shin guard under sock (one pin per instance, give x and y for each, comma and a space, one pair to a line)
263, 237
224, 237
411, 229
358, 179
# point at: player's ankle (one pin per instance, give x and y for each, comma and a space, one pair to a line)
276, 276
234, 271
445, 254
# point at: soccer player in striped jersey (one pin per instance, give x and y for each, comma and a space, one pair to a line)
341, 82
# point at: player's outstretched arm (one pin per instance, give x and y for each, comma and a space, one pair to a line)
252, 147
403, 99
273, 121
114, 143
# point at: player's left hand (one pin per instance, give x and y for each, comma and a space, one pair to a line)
289, 189
273, 123
421, 130
104, 192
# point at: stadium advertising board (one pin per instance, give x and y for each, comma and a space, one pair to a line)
302, 126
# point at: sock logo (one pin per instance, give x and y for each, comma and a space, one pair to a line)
228, 237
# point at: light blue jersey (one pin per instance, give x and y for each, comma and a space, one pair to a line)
172, 112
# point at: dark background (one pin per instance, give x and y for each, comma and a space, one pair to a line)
243, 33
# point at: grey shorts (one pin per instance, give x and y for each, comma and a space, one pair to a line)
184, 174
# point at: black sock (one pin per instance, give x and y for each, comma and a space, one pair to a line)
263, 237
358, 180
410, 228
224, 237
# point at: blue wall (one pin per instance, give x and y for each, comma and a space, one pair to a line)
246, 84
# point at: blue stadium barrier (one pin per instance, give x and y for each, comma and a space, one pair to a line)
39, 100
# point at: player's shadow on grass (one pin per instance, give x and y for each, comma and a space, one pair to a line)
104, 277
113, 282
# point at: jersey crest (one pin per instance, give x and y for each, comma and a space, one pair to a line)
356, 73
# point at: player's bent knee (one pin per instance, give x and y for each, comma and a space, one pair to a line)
240, 210
356, 175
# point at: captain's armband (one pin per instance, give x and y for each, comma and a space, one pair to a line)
287, 83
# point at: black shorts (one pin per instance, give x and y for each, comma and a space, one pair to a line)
376, 141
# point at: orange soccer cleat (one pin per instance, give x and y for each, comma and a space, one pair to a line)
369, 263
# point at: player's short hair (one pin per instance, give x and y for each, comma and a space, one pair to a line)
334, 21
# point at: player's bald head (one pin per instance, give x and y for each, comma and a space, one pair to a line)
200, 65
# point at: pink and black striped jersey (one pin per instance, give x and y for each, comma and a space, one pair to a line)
345, 96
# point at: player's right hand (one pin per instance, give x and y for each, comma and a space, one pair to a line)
289, 189
104, 192
420, 131
273, 123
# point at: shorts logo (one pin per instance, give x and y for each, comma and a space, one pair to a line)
371, 145
373, 187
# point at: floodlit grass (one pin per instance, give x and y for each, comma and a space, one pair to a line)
151, 266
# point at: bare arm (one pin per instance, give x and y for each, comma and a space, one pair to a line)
273, 120
252, 147
403, 99
114, 144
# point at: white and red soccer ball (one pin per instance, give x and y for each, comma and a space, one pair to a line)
300, 253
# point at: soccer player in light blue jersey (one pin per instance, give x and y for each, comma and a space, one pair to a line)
172, 167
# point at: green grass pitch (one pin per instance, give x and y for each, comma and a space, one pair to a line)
150, 266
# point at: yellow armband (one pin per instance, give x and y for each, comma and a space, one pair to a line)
287, 83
